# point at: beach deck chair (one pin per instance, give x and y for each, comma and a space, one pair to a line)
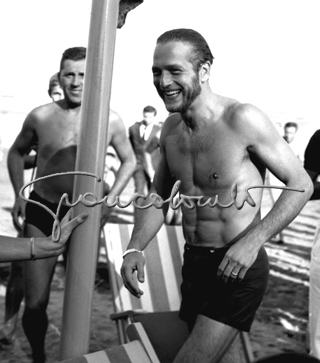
138, 350
158, 307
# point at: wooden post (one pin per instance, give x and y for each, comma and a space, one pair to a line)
83, 251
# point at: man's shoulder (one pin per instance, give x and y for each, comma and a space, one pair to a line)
137, 124
173, 118
232, 106
246, 120
48, 107
238, 112
113, 115
171, 123
116, 125
41, 112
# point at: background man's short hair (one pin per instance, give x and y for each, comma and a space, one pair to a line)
75, 53
291, 124
150, 109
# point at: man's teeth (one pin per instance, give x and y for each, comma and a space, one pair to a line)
171, 93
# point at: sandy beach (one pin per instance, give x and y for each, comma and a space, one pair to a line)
281, 321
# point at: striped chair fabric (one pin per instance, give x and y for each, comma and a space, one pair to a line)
162, 271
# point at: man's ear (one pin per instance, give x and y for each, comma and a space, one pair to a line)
205, 72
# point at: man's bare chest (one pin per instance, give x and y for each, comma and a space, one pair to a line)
206, 159
56, 137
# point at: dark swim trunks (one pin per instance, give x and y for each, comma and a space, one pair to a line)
233, 303
39, 217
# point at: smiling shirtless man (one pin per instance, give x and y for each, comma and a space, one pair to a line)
55, 128
209, 143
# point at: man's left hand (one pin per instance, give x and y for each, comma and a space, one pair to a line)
237, 261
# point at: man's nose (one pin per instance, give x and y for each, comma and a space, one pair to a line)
166, 79
76, 81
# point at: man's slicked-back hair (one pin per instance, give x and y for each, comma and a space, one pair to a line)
75, 53
202, 52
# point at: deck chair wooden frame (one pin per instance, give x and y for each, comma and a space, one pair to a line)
161, 288
137, 350
136, 332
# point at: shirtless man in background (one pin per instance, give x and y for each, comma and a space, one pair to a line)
55, 127
14, 291
210, 143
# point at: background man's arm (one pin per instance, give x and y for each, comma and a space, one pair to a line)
15, 163
120, 142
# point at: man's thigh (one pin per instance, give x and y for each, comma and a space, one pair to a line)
37, 275
211, 341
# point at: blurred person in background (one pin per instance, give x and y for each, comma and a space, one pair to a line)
290, 133
144, 137
55, 91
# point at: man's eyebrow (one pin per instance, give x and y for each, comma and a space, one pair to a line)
170, 66
174, 66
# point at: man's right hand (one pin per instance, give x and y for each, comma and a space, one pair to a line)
131, 263
18, 214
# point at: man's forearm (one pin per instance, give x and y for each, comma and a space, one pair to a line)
286, 208
15, 164
147, 224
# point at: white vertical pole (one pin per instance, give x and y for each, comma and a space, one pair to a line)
83, 251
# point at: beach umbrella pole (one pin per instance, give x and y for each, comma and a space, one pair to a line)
83, 249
